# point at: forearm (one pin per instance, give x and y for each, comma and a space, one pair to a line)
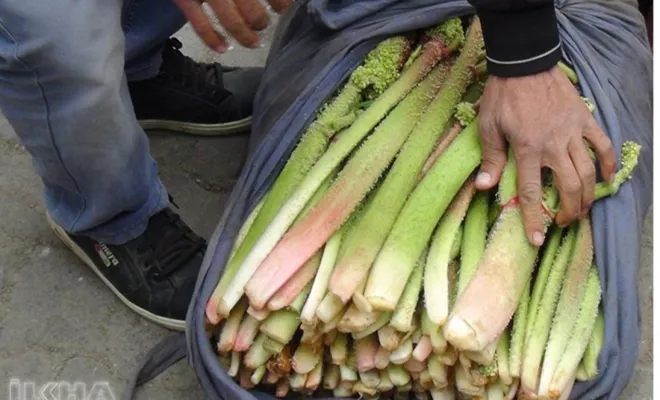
521, 36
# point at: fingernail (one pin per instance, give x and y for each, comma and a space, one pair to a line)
538, 238
230, 48
483, 179
221, 48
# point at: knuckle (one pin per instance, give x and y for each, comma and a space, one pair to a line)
530, 193
234, 25
588, 172
572, 187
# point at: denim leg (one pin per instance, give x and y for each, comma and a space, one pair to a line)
64, 91
147, 24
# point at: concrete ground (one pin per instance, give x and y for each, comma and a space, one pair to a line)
58, 322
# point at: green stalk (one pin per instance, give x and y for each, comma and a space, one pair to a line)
382, 320
519, 330
398, 375
379, 67
456, 245
297, 381
363, 390
370, 378
539, 330
432, 330
245, 228
570, 74
353, 183
402, 353
235, 364
443, 394
320, 285
494, 391
579, 339
437, 292
503, 359
420, 214
385, 383
339, 349
297, 303
402, 319
281, 325
438, 371
590, 359
257, 355
258, 375
542, 276
629, 157
330, 308
581, 373
381, 216
568, 306
347, 373
273, 345
474, 239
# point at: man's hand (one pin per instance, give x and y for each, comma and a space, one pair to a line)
241, 18
545, 121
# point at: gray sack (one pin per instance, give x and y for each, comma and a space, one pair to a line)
318, 44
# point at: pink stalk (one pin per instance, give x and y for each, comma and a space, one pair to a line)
258, 314
246, 333
287, 293
365, 353
382, 358
353, 183
423, 349
230, 330
440, 148
414, 365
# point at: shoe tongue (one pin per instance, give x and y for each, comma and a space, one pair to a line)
175, 63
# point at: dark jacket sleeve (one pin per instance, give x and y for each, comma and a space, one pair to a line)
521, 36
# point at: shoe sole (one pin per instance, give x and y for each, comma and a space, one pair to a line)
227, 128
169, 323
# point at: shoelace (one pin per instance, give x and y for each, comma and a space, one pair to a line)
169, 245
201, 79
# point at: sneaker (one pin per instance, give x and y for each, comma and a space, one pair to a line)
196, 98
154, 274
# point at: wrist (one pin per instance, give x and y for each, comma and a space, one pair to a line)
520, 42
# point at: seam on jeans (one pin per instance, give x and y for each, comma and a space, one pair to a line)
50, 127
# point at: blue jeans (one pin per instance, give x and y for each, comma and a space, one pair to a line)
64, 67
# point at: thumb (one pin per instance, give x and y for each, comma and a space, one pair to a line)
493, 156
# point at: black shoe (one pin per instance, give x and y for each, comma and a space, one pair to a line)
197, 98
155, 274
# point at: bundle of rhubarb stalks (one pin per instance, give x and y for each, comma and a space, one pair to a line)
372, 267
